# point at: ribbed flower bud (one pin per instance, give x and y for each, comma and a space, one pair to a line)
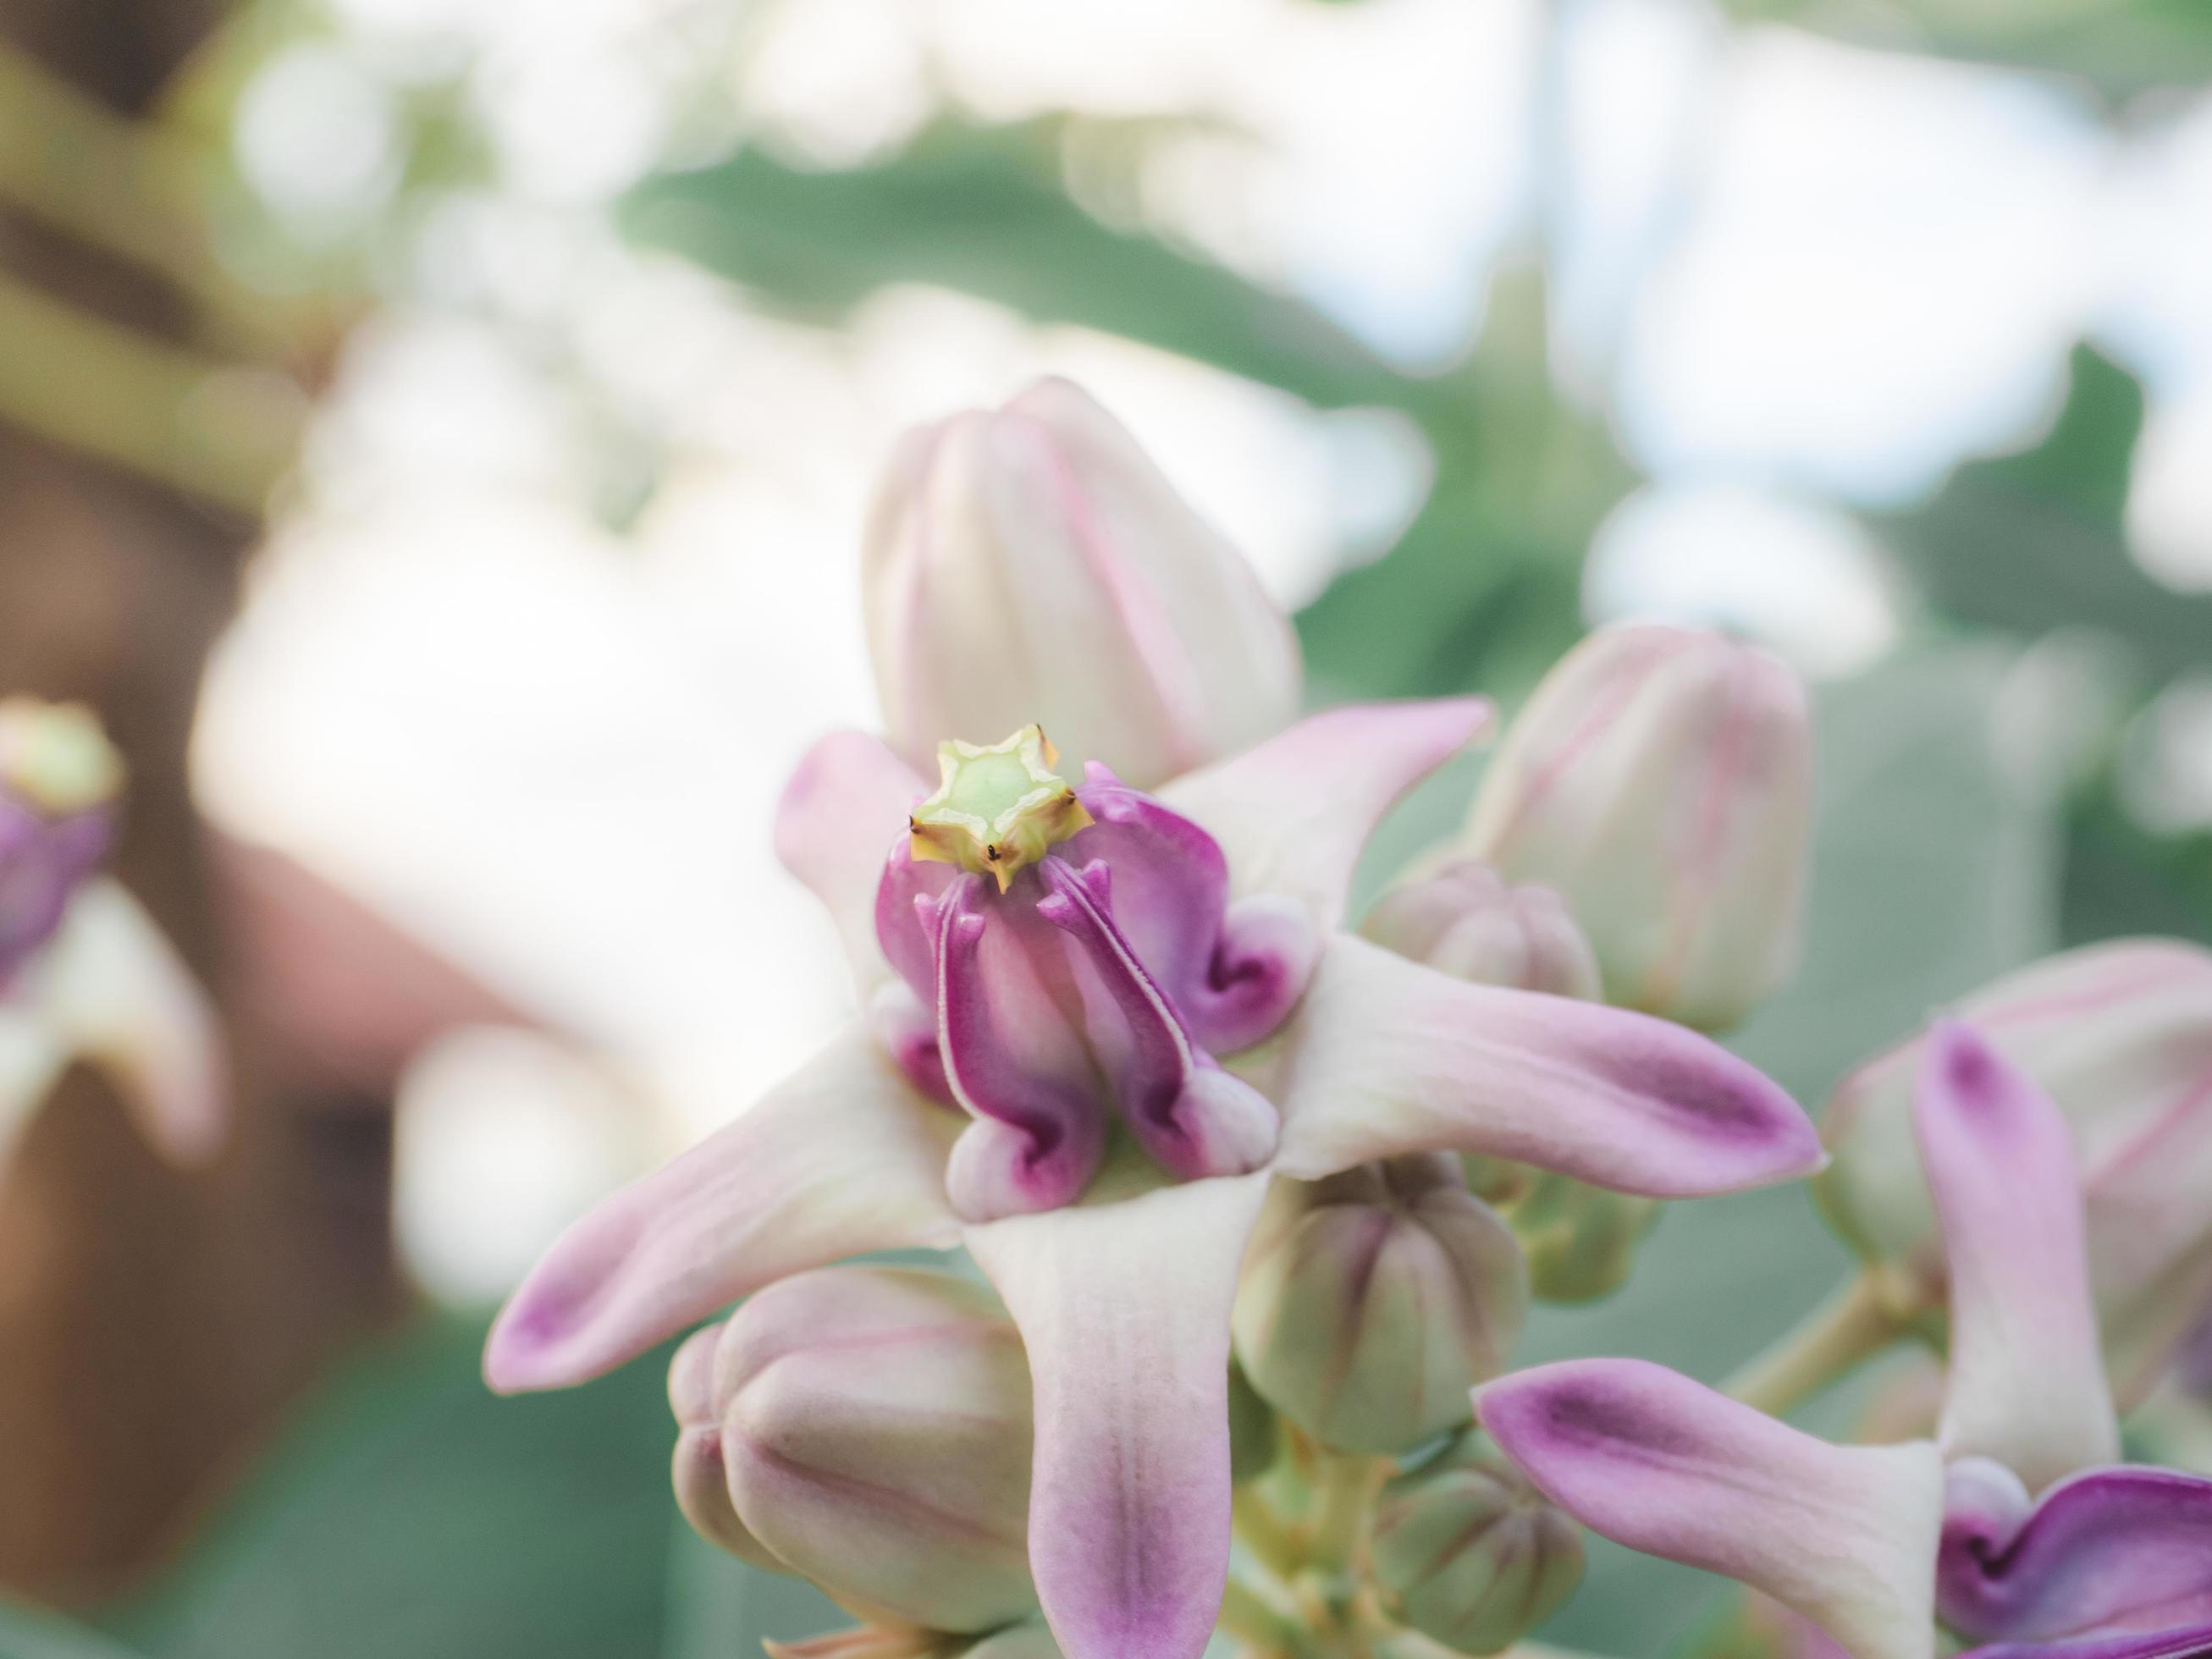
1372, 1302
2120, 1036
873, 1428
1031, 563
1466, 1551
1580, 1240
1470, 923
1660, 778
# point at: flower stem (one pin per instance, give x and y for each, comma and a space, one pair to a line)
1853, 1325
1261, 1530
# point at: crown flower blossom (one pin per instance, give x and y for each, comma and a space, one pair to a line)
2016, 1528
1099, 1025
84, 973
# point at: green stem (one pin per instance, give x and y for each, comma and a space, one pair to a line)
1262, 1531
1261, 1616
1853, 1326
1342, 1487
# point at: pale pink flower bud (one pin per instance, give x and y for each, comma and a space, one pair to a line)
1661, 779
1372, 1301
874, 1429
1031, 564
1466, 1551
1470, 923
2119, 1036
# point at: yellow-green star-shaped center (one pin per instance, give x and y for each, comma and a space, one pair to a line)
997, 808
54, 756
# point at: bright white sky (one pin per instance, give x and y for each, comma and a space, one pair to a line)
1794, 271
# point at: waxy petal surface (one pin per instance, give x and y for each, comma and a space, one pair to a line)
842, 1158
2126, 1548
841, 815
1293, 812
1124, 1308
1385, 1056
2026, 1386
1642, 1455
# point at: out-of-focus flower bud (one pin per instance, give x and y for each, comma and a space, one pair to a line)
1466, 1551
1470, 923
2120, 1036
1580, 1240
1031, 564
703, 1488
874, 1429
1254, 1438
1372, 1302
58, 781
1661, 779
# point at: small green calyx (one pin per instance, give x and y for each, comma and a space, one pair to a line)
997, 809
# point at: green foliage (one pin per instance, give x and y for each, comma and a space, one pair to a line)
981, 210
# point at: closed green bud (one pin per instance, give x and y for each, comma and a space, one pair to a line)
1373, 1301
1466, 1551
1580, 1240
874, 1429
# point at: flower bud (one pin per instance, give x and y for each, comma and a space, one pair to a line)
1470, 923
1660, 778
1373, 1301
1031, 564
2120, 1034
1580, 1240
874, 1429
1468, 1552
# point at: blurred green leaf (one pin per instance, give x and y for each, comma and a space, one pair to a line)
1932, 873
29, 1634
2120, 48
409, 1511
981, 209
1484, 590
2033, 542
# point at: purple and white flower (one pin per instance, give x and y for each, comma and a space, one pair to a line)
2016, 1528
84, 973
1100, 1024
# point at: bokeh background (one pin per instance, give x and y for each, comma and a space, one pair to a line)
489, 395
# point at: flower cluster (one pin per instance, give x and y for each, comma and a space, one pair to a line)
1252, 1203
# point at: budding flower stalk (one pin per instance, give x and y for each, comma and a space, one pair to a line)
1031, 563
1661, 779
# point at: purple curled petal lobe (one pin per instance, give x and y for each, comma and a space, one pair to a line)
908, 891
2124, 1548
1124, 1312
1294, 812
1232, 973
1843, 1535
2190, 1642
843, 811
1171, 1096
1385, 1056
839, 1159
